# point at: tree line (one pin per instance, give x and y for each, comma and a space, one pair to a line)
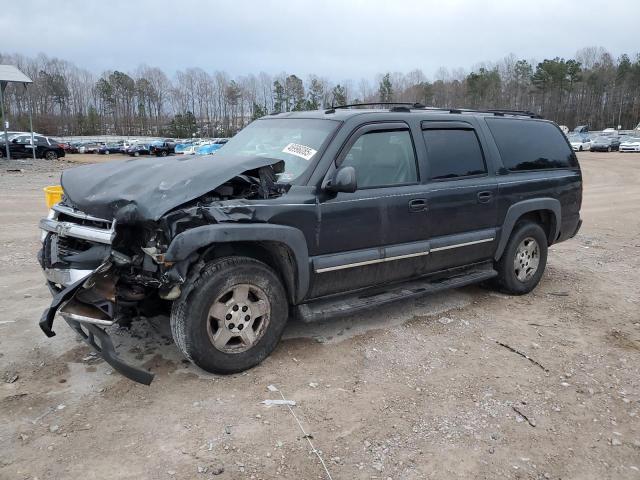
593, 88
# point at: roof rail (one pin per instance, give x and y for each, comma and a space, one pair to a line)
407, 106
410, 104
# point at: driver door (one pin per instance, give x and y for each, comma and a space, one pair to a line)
369, 237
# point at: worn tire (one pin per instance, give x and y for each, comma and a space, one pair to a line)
507, 281
190, 314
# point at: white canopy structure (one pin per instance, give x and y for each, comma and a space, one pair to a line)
10, 74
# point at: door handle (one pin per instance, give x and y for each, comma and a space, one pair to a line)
485, 197
418, 205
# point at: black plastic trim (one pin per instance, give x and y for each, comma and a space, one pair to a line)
518, 209
186, 243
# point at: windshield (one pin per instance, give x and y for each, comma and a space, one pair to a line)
602, 140
296, 141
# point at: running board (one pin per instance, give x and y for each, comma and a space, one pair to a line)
325, 309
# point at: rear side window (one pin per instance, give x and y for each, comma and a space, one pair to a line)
453, 154
531, 145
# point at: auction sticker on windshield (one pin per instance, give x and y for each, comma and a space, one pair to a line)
301, 151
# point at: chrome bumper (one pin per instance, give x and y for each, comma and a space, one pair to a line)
68, 229
65, 276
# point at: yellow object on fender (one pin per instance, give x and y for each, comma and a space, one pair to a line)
52, 195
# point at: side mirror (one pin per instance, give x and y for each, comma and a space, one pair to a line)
344, 180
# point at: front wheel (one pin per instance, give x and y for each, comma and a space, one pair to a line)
233, 316
524, 259
51, 155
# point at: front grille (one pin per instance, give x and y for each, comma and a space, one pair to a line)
104, 224
70, 246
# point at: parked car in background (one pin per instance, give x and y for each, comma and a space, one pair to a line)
73, 147
604, 144
182, 146
20, 146
632, 144
581, 129
579, 142
110, 148
138, 149
162, 148
211, 147
89, 147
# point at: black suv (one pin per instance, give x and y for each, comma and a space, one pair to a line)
309, 215
162, 149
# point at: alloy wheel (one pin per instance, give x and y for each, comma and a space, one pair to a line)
238, 318
527, 259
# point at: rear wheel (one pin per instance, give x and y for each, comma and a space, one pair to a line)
233, 316
163, 153
524, 259
609, 149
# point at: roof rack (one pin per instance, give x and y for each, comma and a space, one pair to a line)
407, 106
398, 106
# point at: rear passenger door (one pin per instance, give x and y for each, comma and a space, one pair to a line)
462, 192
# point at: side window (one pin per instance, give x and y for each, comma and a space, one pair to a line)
23, 140
41, 141
453, 154
531, 144
383, 159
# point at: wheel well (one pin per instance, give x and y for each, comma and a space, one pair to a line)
545, 218
276, 255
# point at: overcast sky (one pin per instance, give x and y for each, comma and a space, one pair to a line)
337, 39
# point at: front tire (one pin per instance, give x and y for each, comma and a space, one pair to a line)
51, 155
524, 259
233, 316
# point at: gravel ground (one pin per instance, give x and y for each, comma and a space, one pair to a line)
423, 389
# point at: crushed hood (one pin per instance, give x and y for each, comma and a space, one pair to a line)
146, 189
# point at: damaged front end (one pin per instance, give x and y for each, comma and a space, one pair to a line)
107, 272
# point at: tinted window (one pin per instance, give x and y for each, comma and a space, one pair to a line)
530, 144
453, 153
383, 159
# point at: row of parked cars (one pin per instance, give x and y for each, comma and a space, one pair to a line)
609, 140
160, 148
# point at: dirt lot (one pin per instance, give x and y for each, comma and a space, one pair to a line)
414, 391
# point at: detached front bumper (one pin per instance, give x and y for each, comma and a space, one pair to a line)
87, 321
